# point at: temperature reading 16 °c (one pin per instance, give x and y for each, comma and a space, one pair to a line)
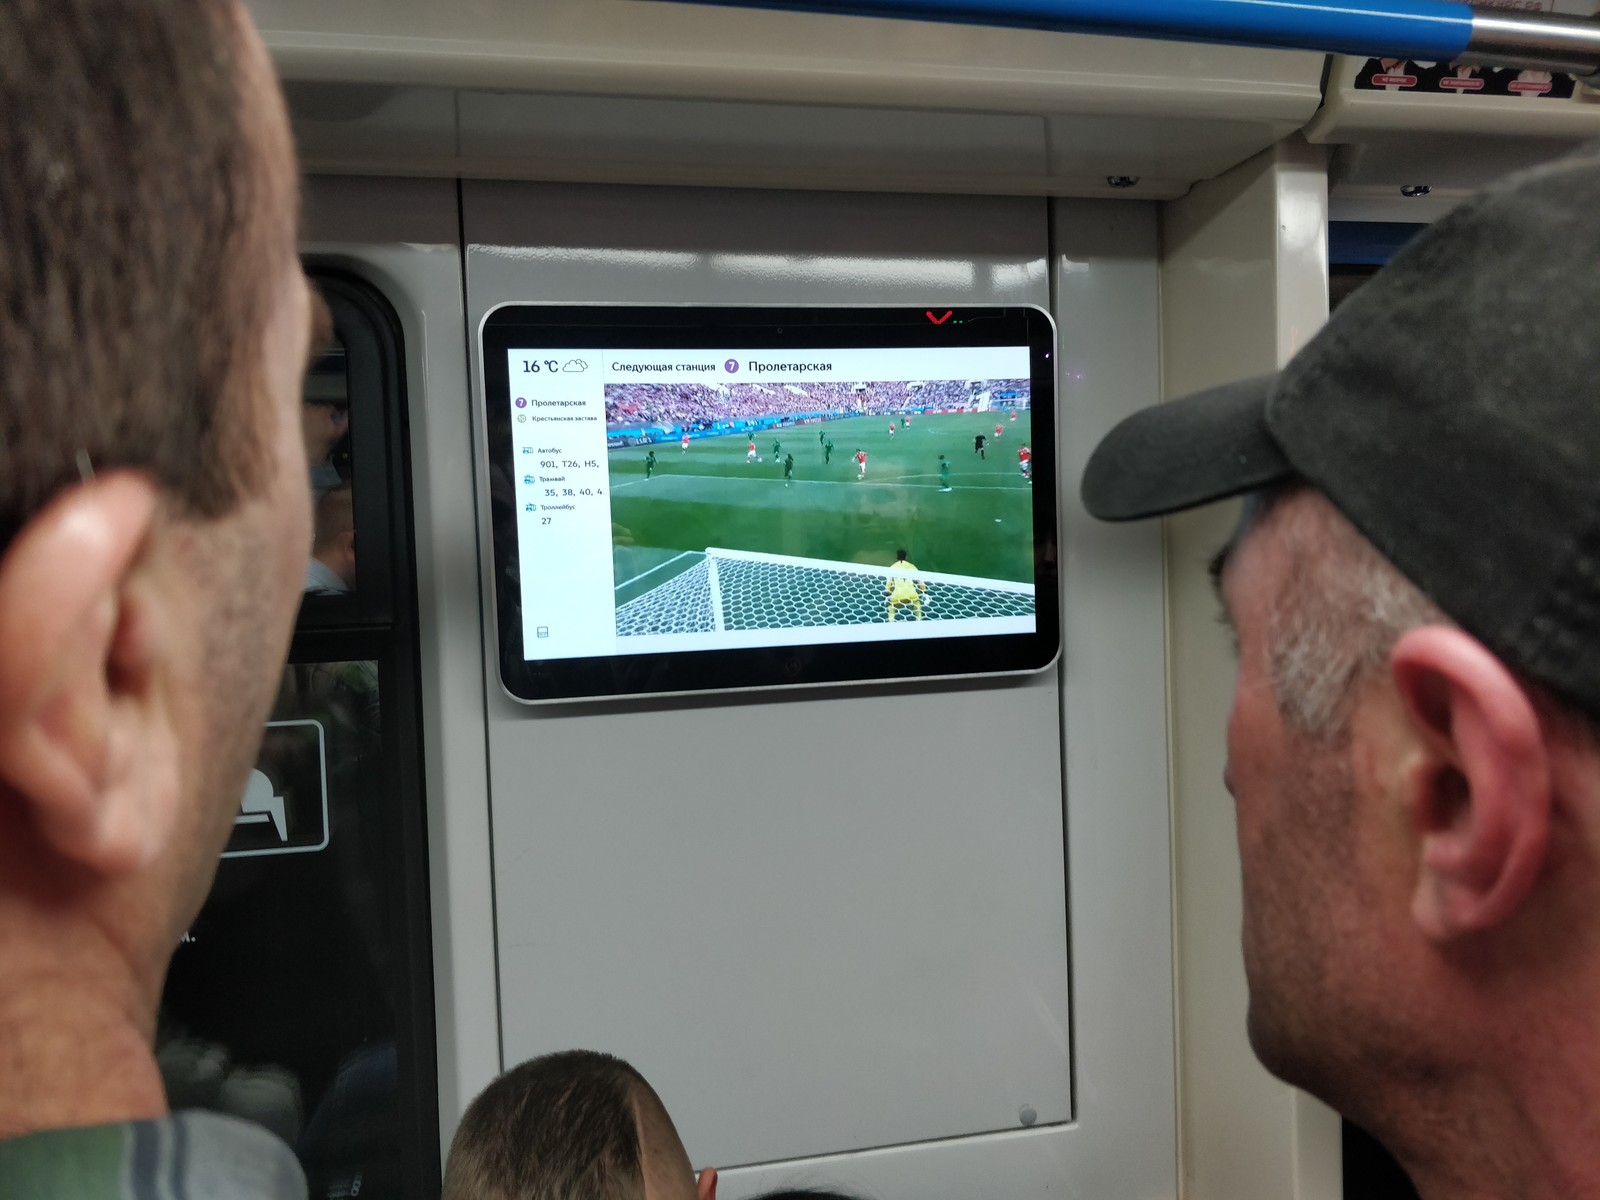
534, 366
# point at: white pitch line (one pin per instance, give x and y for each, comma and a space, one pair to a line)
971, 487
654, 569
1004, 487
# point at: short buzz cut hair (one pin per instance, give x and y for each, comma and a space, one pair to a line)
134, 233
558, 1127
1339, 610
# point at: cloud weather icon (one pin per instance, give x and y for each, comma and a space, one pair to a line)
575, 365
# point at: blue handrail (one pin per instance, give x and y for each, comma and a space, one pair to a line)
1426, 30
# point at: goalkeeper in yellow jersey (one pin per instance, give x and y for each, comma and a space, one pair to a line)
903, 588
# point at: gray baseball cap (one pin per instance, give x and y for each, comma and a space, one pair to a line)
1450, 409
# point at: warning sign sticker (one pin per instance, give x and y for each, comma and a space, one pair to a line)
1404, 75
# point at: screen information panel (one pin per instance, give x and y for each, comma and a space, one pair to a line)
704, 498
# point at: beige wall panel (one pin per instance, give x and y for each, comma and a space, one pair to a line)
1244, 284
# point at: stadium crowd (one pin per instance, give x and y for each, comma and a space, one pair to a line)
699, 405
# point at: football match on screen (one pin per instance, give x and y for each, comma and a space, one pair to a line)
812, 505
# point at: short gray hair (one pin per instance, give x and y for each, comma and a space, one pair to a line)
1339, 612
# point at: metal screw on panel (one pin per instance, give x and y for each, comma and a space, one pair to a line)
1026, 1115
1415, 191
1122, 181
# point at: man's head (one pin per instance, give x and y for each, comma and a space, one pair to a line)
322, 423
154, 512
333, 541
1416, 598
578, 1123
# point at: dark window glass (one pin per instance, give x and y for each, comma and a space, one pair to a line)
325, 421
302, 997
281, 1004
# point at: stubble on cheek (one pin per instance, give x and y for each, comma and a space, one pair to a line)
1299, 883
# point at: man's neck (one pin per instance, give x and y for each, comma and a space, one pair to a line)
1532, 1131
74, 1047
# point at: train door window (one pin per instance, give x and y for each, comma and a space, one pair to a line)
301, 998
351, 444
325, 428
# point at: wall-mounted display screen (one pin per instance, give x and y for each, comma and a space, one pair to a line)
690, 498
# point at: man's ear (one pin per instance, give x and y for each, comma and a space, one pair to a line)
705, 1184
79, 750
1479, 796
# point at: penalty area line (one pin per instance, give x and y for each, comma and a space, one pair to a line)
654, 569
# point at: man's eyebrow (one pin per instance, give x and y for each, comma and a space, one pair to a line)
1219, 564
321, 322
1215, 568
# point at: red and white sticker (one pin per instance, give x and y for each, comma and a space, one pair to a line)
1465, 85
1395, 80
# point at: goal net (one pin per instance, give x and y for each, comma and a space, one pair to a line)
739, 590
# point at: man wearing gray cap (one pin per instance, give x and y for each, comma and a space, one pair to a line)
1414, 744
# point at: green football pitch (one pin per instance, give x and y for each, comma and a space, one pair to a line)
710, 496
